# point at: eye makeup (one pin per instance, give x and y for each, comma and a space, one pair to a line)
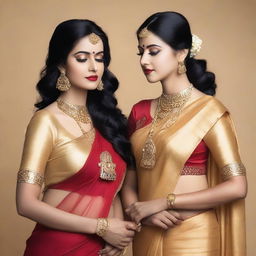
82, 56
152, 51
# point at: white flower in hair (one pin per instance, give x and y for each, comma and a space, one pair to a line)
196, 46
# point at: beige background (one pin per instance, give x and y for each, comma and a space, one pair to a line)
228, 32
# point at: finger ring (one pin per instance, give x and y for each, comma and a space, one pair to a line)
138, 228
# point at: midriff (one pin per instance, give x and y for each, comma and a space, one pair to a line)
188, 184
54, 197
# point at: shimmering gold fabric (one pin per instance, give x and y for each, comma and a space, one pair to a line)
207, 119
58, 155
196, 236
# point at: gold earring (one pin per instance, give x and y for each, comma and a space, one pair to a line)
181, 68
100, 86
63, 83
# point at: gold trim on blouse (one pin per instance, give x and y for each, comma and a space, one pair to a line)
31, 177
193, 170
234, 169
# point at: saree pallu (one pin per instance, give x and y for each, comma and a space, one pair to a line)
174, 146
88, 196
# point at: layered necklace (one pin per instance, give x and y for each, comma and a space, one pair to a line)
80, 114
168, 107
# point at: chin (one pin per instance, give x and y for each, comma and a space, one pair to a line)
152, 81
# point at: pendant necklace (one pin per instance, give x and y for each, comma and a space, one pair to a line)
168, 107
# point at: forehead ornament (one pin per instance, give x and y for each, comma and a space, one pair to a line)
93, 38
144, 33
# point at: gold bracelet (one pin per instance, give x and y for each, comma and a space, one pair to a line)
102, 226
170, 200
233, 169
31, 177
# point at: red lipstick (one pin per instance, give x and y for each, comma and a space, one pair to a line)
92, 78
147, 71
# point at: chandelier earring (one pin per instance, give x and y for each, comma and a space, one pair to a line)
100, 86
63, 83
181, 68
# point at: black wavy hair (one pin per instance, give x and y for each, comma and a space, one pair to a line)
102, 105
173, 28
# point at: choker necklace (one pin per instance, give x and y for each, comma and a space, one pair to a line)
79, 113
169, 103
170, 107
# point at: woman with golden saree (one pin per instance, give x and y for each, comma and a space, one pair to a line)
76, 145
189, 184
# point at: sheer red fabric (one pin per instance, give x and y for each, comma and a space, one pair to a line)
89, 196
195, 165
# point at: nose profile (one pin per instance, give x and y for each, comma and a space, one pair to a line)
92, 65
144, 59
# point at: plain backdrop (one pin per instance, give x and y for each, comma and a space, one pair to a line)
227, 29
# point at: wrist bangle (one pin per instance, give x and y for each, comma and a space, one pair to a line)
170, 200
102, 226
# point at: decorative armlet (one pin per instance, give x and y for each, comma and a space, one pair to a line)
102, 226
170, 200
31, 177
234, 169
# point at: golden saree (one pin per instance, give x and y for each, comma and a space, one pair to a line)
204, 119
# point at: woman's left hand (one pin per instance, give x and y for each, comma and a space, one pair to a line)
139, 210
110, 250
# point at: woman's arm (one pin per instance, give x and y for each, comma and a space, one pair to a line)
230, 190
39, 141
162, 219
221, 140
117, 212
119, 233
29, 205
129, 189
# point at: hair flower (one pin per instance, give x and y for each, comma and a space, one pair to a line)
196, 46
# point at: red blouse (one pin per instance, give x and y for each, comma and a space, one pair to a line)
196, 163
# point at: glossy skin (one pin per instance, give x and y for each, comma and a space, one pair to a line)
84, 68
85, 60
160, 64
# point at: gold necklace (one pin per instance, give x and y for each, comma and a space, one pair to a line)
79, 113
170, 107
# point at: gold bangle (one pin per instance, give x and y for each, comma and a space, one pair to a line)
170, 200
31, 177
102, 226
233, 169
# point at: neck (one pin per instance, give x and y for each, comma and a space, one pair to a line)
175, 84
75, 96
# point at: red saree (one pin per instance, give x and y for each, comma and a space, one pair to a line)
89, 196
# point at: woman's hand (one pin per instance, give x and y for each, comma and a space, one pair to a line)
110, 250
140, 210
164, 219
119, 233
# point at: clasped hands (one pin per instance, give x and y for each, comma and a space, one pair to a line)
154, 213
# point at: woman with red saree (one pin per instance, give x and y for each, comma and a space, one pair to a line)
76, 145
189, 185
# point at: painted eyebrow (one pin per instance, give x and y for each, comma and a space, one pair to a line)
151, 45
84, 52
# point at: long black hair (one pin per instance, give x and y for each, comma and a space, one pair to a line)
102, 105
173, 28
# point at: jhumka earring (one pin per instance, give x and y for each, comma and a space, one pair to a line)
100, 86
63, 83
181, 68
